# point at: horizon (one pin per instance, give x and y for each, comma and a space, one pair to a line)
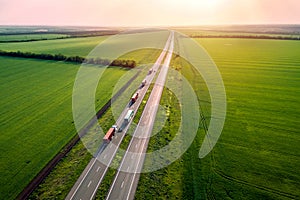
153, 26
145, 13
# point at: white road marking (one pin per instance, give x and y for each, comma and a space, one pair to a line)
89, 184
105, 156
128, 168
136, 146
110, 146
98, 169
83, 179
132, 156
168, 59
123, 160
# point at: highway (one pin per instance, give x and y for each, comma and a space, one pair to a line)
87, 184
127, 176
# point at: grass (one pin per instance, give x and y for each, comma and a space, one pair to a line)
251, 31
174, 181
58, 185
108, 179
28, 37
83, 46
257, 156
36, 115
258, 152
68, 47
163, 183
62, 178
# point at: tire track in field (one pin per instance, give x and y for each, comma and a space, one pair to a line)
274, 191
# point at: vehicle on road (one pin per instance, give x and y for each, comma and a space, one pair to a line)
133, 99
150, 71
110, 133
143, 83
127, 118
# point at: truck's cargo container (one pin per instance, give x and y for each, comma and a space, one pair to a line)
127, 118
110, 133
133, 99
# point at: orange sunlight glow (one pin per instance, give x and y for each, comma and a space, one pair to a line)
148, 12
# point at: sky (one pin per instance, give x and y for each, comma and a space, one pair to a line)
148, 12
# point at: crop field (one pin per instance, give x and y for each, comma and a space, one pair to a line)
59, 182
36, 115
27, 37
72, 46
214, 33
287, 31
68, 47
257, 155
36, 107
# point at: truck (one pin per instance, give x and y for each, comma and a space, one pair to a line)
127, 118
110, 133
143, 83
133, 99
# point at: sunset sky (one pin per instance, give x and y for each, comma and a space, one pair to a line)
148, 12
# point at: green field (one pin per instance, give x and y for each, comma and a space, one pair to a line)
68, 47
79, 46
36, 115
37, 95
28, 37
252, 31
257, 156
220, 34
59, 182
258, 153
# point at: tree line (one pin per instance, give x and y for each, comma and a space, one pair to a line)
74, 59
249, 37
33, 39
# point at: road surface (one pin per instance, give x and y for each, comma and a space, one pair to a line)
127, 177
87, 184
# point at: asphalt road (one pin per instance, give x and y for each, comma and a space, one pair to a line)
127, 177
87, 184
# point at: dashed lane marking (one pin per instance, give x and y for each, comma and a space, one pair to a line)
89, 184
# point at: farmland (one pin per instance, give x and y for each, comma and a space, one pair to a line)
36, 115
256, 157
28, 37
68, 47
44, 103
75, 46
258, 153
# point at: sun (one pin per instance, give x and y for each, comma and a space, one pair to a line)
205, 3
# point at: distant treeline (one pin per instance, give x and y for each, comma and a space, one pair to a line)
75, 59
33, 39
249, 37
69, 34
72, 33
